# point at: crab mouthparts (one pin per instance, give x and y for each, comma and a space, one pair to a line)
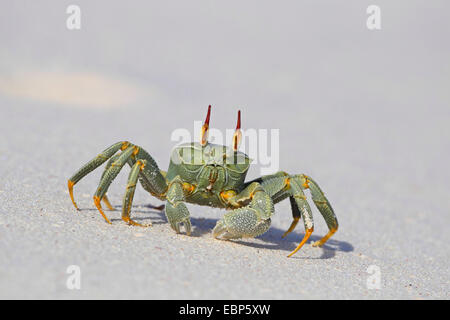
212, 179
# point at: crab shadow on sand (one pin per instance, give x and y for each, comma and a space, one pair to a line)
272, 239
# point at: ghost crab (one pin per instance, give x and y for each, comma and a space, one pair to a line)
210, 175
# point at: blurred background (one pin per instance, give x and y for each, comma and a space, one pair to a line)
364, 112
299, 66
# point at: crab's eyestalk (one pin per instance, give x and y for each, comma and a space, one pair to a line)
237, 137
205, 128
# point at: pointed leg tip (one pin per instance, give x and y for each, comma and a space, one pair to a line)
106, 219
305, 239
75, 205
108, 204
292, 253
70, 185
131, 222
144, 225
99, 208
291, 227
317, 244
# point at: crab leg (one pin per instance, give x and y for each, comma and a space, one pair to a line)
282, 185
109, 175
108, 204
92, 165
299, 198
274, 184
324, 207
129, 194
146, 183
176, 211
296, 215
149, 174
154, 185
277, 185
108, 165
151, 177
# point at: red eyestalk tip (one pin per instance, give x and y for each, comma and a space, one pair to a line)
238, 126
205, 128
208, 115
237, 134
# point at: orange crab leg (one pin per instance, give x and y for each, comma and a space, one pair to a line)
70, 185
99, 207
108, 204
93, 164
305, 238
322, 241
292, 227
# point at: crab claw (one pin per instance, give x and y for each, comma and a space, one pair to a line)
177, 225
220, 231
240, 223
